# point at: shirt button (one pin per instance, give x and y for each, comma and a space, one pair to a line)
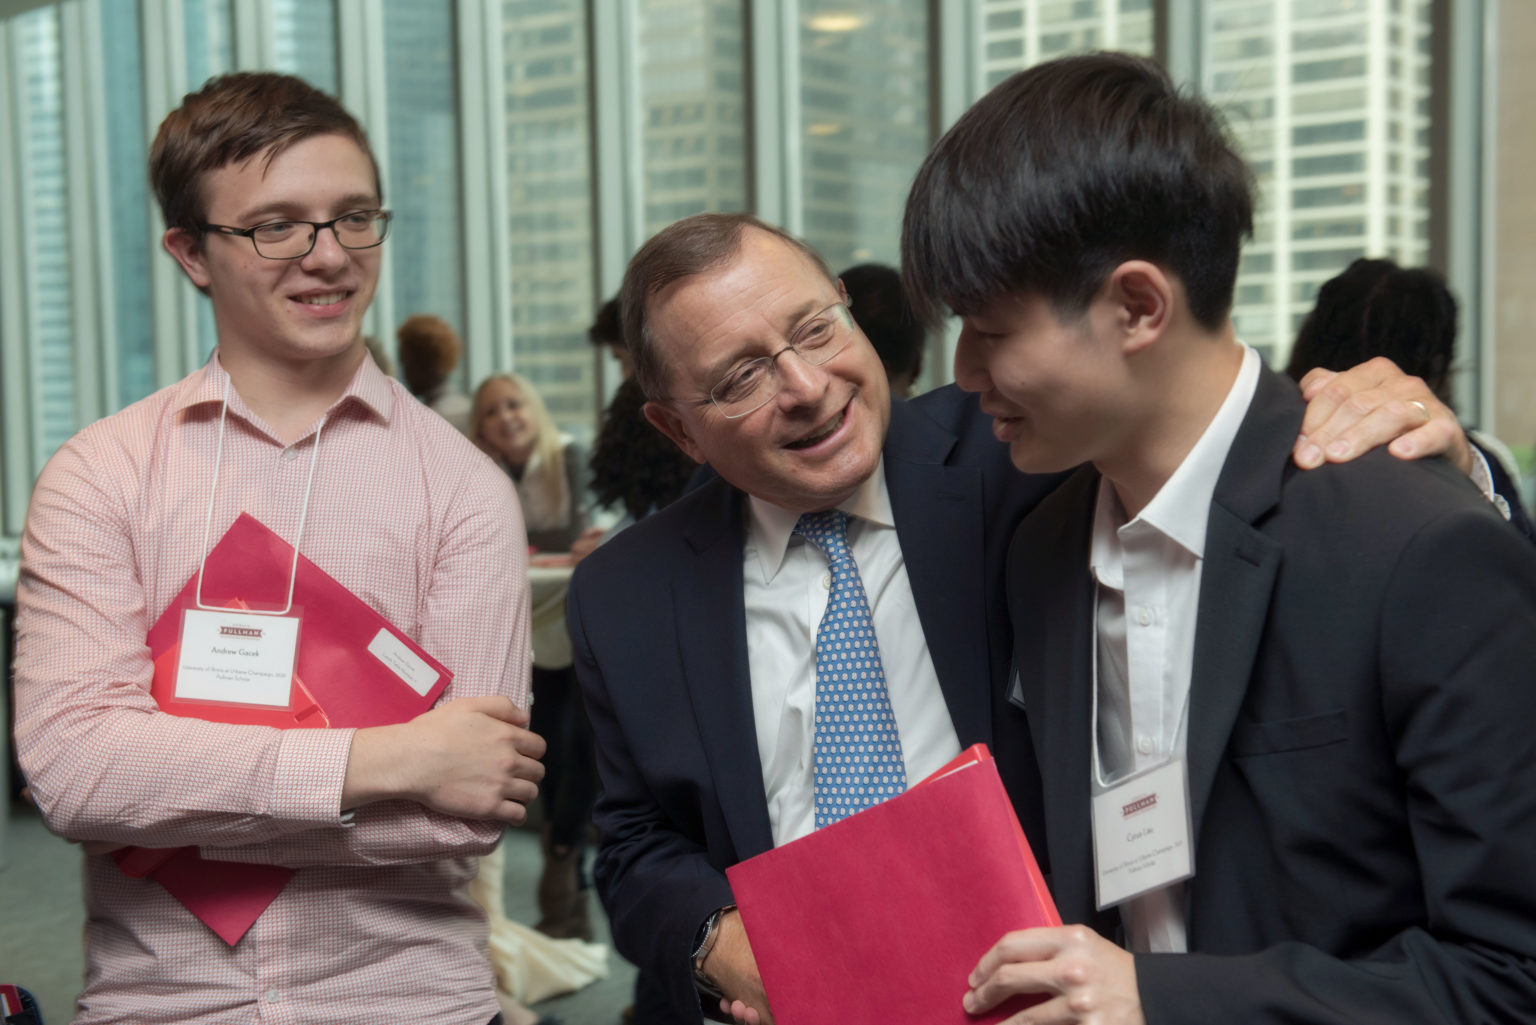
826, 581
1144, 616
1144, 744
272, 996
290, 453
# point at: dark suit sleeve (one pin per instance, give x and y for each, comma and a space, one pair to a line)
1457, 651
656, 884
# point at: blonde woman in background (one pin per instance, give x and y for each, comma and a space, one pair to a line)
549, 469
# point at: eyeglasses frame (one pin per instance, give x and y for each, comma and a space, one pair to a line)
316, 226
849, 324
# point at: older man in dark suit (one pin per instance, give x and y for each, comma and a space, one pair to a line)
695, 632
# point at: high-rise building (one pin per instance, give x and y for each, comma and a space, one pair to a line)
1019, 33
1330, 102
692, 108
422, 165
549, 203
863, 126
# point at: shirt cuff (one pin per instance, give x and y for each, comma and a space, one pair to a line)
311, 770
1482, 476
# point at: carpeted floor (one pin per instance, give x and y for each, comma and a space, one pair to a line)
41, 917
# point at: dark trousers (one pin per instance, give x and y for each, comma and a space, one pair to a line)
570, 767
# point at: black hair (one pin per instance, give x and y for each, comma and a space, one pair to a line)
1064, 171
608, 326
1376, 308
879, 306
632, 462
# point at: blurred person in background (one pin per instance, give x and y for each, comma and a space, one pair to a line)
880, 308
548, 469
634, 466
1375, 308
429, 350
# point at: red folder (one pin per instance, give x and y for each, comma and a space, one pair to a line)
880, 918
338, 681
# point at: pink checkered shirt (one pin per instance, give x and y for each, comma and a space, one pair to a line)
376, 925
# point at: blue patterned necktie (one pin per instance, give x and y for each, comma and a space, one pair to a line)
858, 752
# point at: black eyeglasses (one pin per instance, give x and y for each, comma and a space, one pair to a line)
288, 240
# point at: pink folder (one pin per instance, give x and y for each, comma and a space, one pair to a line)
338, 681
880, 918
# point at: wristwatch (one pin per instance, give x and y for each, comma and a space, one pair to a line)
703, 943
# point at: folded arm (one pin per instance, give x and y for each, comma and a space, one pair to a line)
448, 782
108, 768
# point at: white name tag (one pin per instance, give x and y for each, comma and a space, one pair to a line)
237, 658
403, 662
1142, 834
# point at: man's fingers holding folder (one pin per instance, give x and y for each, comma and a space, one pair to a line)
1087, 979
733, 967
470, 758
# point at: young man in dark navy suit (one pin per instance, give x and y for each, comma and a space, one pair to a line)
1282, 718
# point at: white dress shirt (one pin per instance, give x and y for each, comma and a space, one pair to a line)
1148, 574
786, 585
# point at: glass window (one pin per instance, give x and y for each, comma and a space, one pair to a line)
130, 233
304, 40
549, 189
210, 42
863, 123
422, 172
693, 97
45, 231
1018, 33
210, 51
1335, 106
1334, 163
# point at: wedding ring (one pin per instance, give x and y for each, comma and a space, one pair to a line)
1422, 408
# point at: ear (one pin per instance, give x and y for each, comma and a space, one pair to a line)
1142, 297
187, 248
671, 423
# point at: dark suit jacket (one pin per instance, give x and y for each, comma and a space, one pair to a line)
1362, 757
659, 636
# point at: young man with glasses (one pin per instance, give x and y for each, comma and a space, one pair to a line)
274, 210
695, 632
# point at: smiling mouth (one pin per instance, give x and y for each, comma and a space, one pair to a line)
825, 432
321, 300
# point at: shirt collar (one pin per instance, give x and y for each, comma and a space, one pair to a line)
369, 386
1182, 506
770, 528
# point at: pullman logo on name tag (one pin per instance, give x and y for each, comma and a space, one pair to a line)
240, 631
1139, 805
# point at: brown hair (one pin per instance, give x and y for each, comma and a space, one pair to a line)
231, 119
684, 248
429, 350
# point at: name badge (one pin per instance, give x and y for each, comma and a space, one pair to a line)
1142, 835
237, 658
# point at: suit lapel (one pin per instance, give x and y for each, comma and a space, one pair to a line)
1053, 649
1237, 579
940, 527
712, 642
